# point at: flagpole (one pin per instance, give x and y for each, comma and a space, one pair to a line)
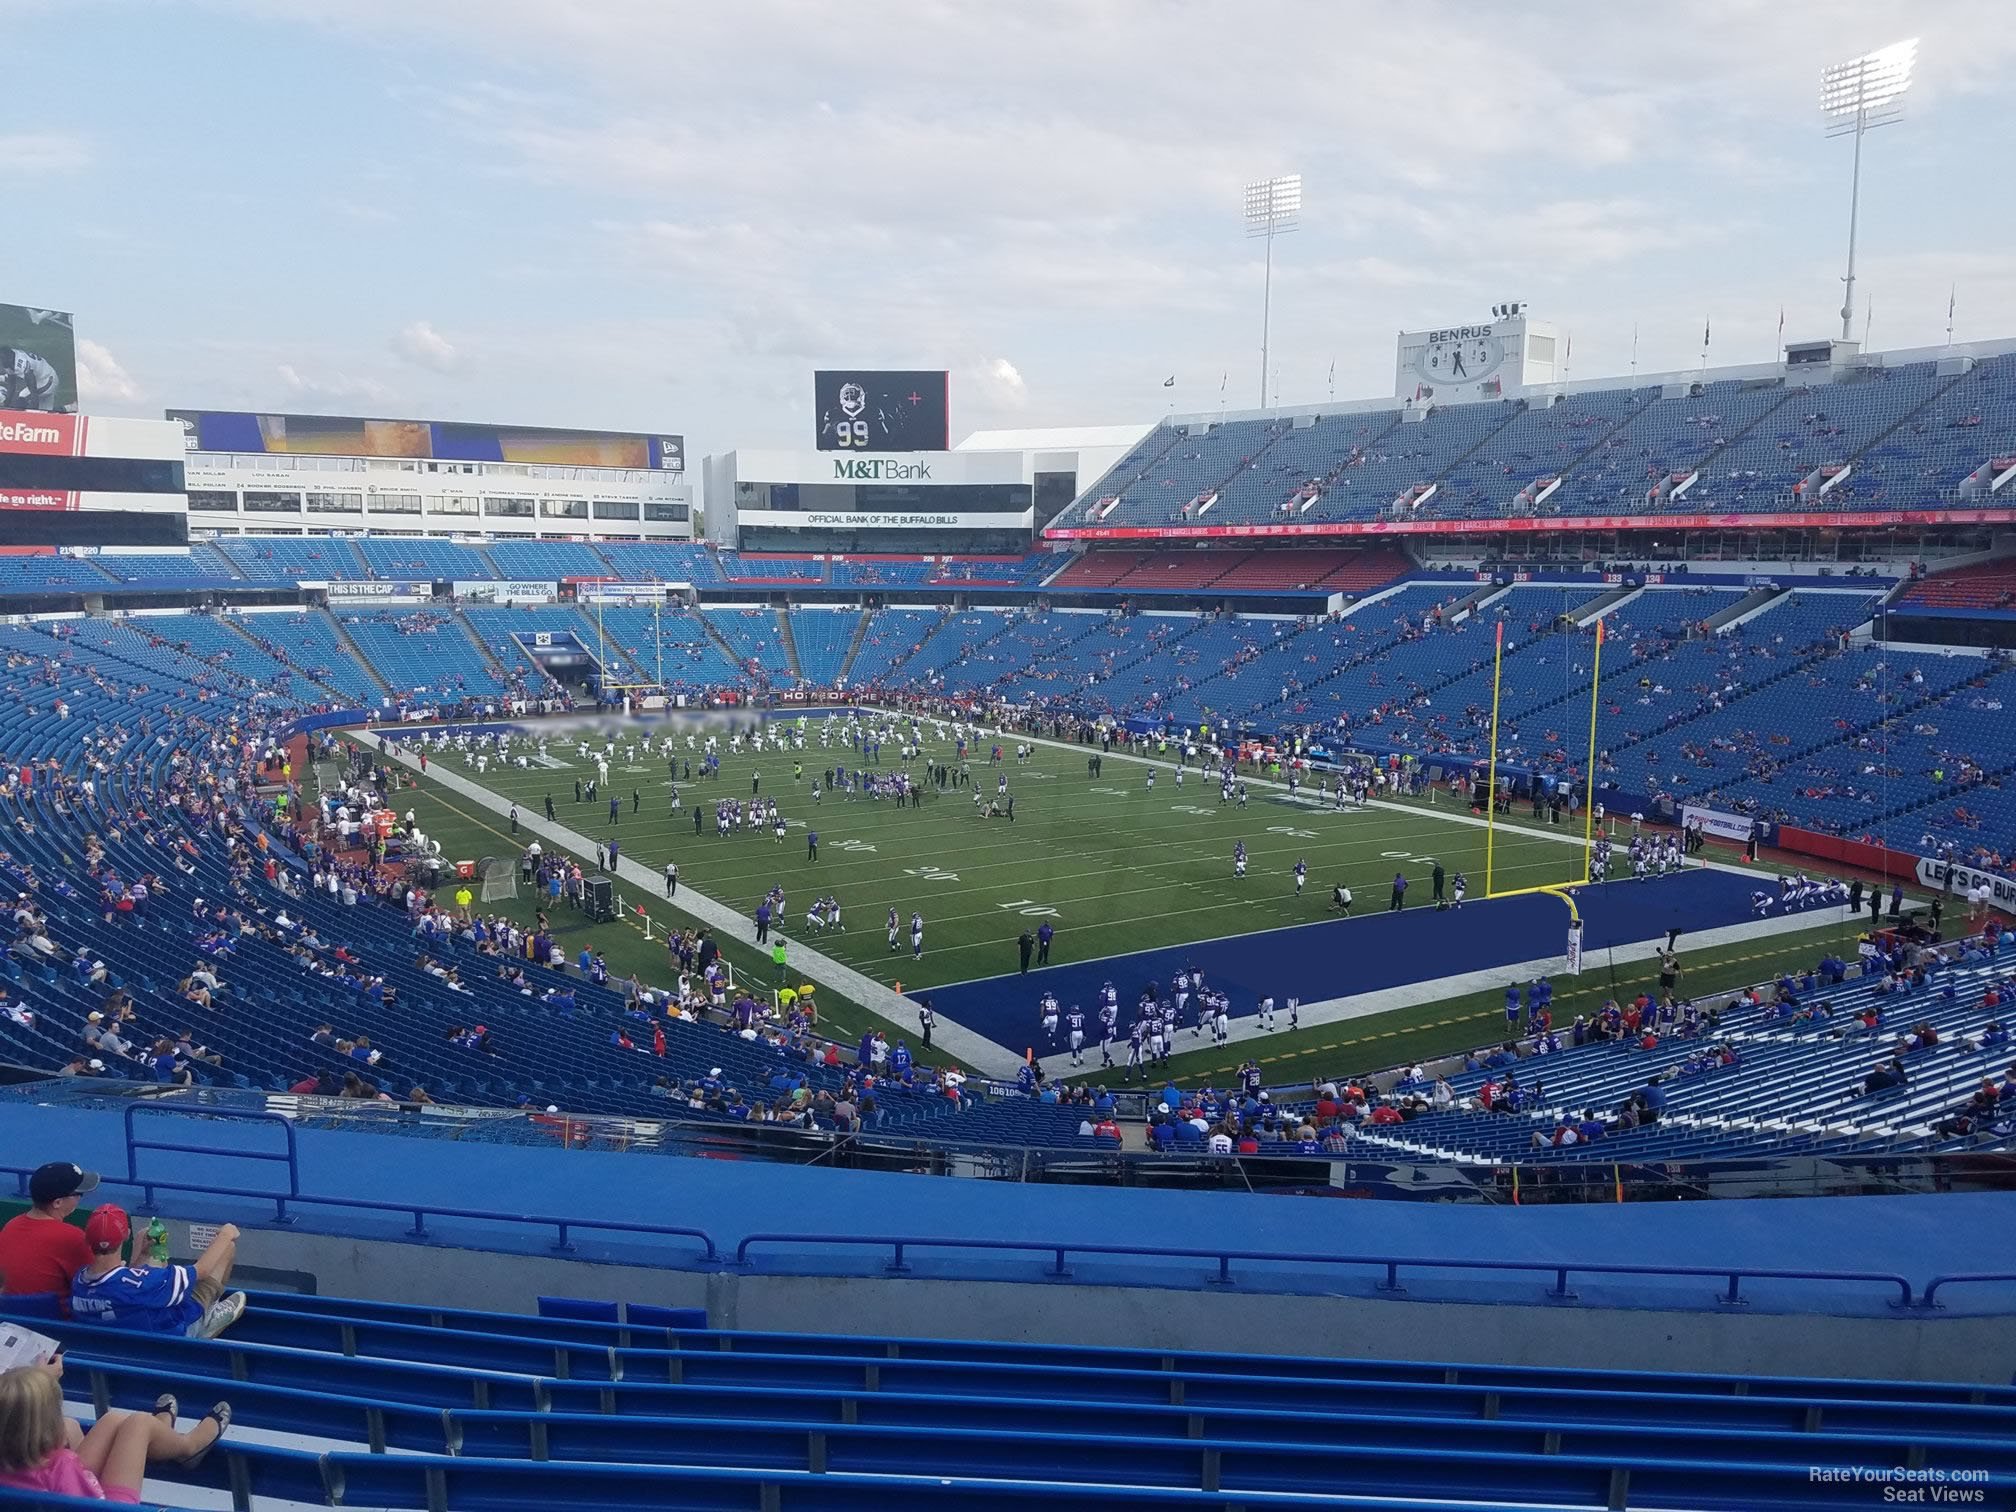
1952, 295
1634, 350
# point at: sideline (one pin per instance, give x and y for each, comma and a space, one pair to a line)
973, 1052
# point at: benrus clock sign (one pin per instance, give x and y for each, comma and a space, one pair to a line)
1463, 356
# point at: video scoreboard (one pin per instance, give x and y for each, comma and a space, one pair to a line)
881, 410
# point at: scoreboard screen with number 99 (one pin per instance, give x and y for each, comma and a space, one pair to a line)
879, 410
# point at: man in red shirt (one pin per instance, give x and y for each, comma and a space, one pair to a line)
39, 1250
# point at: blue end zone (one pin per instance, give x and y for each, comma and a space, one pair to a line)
1369, 952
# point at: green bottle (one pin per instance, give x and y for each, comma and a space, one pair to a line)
157, 1241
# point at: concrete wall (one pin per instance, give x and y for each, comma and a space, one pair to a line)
1596, 1335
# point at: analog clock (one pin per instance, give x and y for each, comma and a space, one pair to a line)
1470, 360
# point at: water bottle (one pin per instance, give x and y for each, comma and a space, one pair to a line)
157, 1241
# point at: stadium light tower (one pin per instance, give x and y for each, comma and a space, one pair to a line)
1857, 97
1272, 209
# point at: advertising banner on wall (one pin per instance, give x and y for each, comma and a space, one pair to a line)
1529, 524
1960, 880
591, 592
37, 498
38, 360
483, 591
441, 440
819, 519
39, 435
374, 590
1723, 826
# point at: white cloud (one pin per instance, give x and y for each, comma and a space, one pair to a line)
930, 185
421, 344
1002, 383
100, 377
25, 154
335, 386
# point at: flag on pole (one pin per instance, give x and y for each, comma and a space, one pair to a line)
1170, 381
1333, 369
1781, 325
1223, 379
1705, 328
1568, 352
1952, 295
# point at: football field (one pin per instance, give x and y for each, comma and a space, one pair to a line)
1113, 863
1128, 877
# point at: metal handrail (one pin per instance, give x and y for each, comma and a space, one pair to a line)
1930, 1298
291, 1157
1391, 1265
420, 1212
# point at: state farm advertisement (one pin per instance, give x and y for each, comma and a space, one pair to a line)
41, 434
37, 498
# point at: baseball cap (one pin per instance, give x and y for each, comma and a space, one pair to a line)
108, 1229
59, 1179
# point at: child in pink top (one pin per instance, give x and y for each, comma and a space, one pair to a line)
42, 1450
63, 1474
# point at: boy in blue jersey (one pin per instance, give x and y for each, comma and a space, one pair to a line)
170, 1299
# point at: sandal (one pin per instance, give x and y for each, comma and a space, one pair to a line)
166, 1403
221, 1414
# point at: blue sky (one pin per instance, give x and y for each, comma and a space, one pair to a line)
645, 215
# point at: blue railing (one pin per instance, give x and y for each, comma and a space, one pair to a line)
1390, 1265
1962, 1278
1390, 1269
419, 1212
290, 1157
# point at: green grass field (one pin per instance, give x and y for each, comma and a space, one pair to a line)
1124, 868
1115, 866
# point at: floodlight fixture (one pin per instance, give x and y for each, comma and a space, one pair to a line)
1856, 97
1273, 208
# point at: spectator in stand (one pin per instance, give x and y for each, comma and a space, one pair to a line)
172, 1299
1886, 1076
42, 1450
40, 1250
